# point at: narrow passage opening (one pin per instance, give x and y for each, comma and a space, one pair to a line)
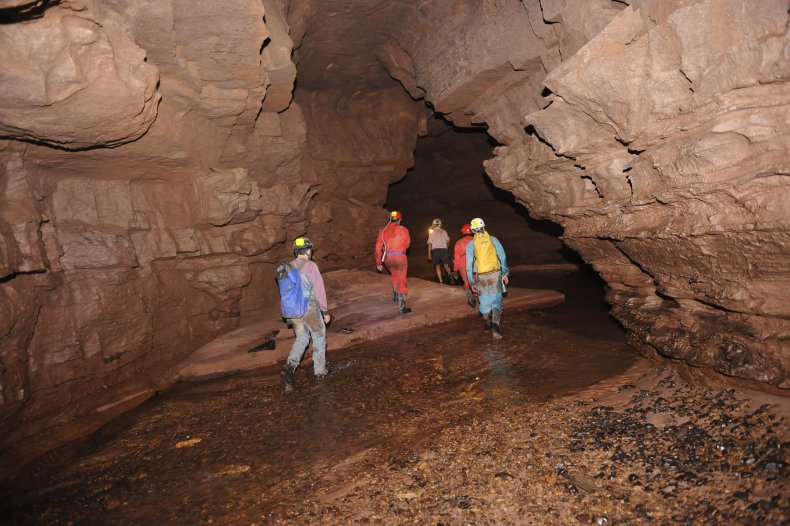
448, 182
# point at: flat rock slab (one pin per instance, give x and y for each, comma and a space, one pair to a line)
362, 307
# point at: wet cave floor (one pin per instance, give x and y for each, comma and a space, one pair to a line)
559, 423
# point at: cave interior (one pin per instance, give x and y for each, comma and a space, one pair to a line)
158, 157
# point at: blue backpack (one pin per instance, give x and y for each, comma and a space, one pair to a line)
293, 303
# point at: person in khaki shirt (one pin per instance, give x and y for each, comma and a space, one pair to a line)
438, 251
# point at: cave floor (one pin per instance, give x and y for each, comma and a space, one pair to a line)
559, 423
360, 304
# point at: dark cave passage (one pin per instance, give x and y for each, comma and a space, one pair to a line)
448, 182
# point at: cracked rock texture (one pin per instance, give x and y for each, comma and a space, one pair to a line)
156, 159
656, 134
154, 169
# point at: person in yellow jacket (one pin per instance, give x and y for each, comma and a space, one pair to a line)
486, 261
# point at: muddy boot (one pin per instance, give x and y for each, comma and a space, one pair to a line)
496, 317
402, 304
487, 323
470, 298
394, 295
288, 376
321, 377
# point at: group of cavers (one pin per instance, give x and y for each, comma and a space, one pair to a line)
478, 259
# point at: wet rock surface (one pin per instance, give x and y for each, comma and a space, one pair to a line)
559, 423
158, 157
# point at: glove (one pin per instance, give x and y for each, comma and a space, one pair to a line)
379, 268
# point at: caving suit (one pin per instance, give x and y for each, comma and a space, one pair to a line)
459, 265
311, 325
459, 258
392, 242
486, 258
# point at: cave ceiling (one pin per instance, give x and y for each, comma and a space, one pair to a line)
341, 43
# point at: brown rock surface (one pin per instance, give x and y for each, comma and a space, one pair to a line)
663, 158
71, 82
157, 159
660, 148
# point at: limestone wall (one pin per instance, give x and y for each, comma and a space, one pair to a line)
153, 169
657, 134
155, 164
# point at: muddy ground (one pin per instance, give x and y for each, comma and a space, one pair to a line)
559, 423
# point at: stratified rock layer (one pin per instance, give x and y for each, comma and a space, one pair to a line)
665, 154
156, 162
656, 134
180, 172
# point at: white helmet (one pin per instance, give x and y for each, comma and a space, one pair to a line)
478, 225
437, 222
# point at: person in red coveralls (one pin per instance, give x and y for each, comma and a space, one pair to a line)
391, 246
459, 262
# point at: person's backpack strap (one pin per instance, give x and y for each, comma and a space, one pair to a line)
281, 270
307, 285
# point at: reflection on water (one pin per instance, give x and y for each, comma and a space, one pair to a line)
237, 447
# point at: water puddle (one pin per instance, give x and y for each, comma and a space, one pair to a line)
214, 448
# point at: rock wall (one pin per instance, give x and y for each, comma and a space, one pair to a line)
155, 163
671, 128
356, 151
153, 169
656, 133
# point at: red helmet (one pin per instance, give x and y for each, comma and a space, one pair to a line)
395, 216
466, 229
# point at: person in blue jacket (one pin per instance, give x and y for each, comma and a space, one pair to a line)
487, 271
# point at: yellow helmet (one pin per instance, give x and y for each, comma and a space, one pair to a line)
302, 245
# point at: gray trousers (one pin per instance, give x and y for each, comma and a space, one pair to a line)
489, 292
311, 325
